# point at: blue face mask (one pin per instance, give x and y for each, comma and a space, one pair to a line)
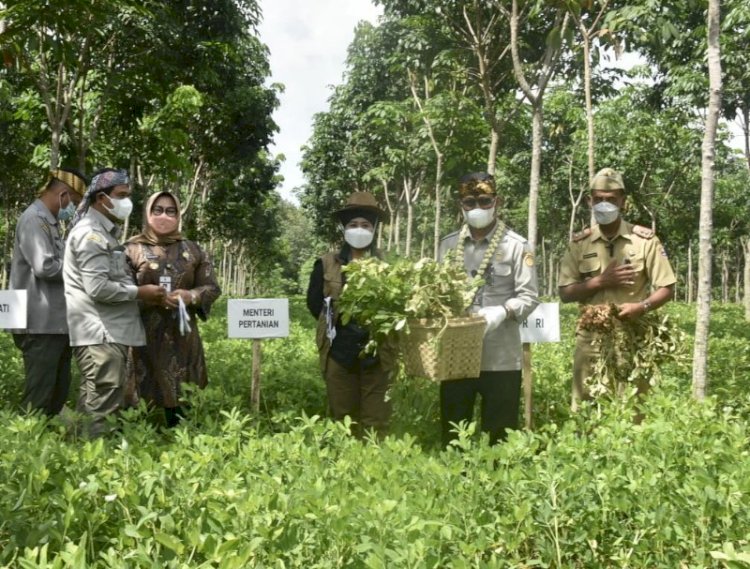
67, 213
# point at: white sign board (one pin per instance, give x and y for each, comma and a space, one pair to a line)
13, 309
258, 318
542, 325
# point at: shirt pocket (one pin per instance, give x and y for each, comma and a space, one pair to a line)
589, 267
500, 281
117, 266
639, 266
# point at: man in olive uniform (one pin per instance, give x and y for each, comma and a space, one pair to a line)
504, 260
37, 268
612, 262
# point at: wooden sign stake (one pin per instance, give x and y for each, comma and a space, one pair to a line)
528, 383
255, 388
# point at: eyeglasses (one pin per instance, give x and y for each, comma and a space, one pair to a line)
471, 202
158, 210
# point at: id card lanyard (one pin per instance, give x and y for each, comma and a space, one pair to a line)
165, 280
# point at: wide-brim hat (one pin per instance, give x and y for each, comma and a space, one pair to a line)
361, 202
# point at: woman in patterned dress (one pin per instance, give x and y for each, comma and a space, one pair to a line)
172, 356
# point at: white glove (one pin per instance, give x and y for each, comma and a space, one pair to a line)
494, 315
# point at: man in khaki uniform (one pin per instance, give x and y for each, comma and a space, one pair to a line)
612, 262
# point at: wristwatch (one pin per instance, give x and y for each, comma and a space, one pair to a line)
646, 306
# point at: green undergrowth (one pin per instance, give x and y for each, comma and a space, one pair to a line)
287, 488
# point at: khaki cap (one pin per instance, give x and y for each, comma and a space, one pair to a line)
607, 179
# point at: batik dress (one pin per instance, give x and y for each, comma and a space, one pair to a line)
170, 358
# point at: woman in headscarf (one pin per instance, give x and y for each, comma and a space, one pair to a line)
356, 385
173, 354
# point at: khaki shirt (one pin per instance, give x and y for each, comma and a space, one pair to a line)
589, 256
510, 281
36, 268
99, 286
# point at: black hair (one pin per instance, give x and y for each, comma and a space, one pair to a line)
347, 215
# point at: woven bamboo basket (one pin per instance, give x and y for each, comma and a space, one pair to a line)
439, 350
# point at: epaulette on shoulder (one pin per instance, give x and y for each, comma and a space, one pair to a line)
454, 234
643, 232
576, 237
513, 235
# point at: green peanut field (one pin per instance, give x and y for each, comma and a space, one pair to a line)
287, 488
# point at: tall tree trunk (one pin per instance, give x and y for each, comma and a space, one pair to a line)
536, 165
492, 156
7, 248
724, 277
746, 133
587, 35
737, 285
397, 231
390, 218
574, 201
542, 274
54, 150
690, 291
438, 208
409, 216
534, 93
551, 274
436, 150
703, 317
224, 267
589, 104
746, 296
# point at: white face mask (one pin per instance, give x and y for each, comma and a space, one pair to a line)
479, 218
358, 237
121, 208
606, 213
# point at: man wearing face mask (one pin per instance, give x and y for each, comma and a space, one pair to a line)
356, 386
612, 262
37, 268
505, 262
103, 315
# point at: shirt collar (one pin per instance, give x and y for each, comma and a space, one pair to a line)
108, 225
487, 238
46, 213
624, 230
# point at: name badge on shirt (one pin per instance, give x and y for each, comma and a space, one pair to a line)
165, 281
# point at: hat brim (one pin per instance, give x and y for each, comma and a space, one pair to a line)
382, 215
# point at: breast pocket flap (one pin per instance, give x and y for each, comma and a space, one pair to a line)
589, 266
501, 269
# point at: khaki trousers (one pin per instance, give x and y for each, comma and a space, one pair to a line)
359, 393
103, 371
